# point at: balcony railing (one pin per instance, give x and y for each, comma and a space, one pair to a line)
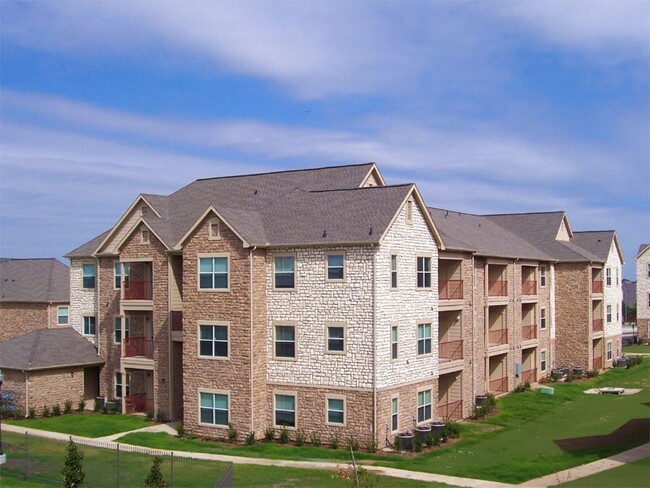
597, 325
528, 332
499, 336
138, 402
450, 289
529, 287
137, 290
597, 286
451, 350
498, 288
598, 363
138, 347
177, 321
530, 375
499, 386
451, 410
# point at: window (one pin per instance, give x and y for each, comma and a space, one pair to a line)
542, 361
609, 351
214, 408
335, 268
648, 270
285, 272
336, 411
608, 276
214, 232
62, 315
649, 303
117, 328
145, 211
393, 271
617, 271
409, 211
542, 318
285, 410
393, 342
88, 275
213, 273
285, 341
609, 314
424, 405
89, 326
118, 386
424, 272
542, 275
117, 274
144, 236
618, 312
213, 341
335, 338
394, 414
424, 339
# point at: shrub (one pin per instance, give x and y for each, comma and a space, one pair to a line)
352, 443
480, 411
334, 442
372, 446
149, 416
300, 438
67, 406
452, 429
180, 429
160, 417
81, 405
56, 410
73, 472
31, 414
46, 411
284, 435
634, 361
314, 438
18, 414
155, 478
96, 407
417, 443
250, 438
428, 440
592, 373
397, 443
522, 388
232, 432
269, 434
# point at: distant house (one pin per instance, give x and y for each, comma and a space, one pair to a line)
49, 367
643, 290
629, 300
34, 294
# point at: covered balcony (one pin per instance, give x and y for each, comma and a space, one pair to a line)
597, 314
450, 336
498, 379
498, 328
139, 396
135, 347
596, 280
528, 280
450, 283
497, 280
529, 365
597, 353
528, 322
450, 396
137, 285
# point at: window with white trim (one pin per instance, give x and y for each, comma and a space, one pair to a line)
394, 338
213, 340
424, 272
424, 339
336, 411
285, 341
213, 273
542, 275
117, 328
618, 312
63, 315
542, 318
214, 230
88, 273
285, 410
393, 271
608, 276
608, 315
117, 274
542, 361
335, 267
648, 270
424, 405
214, 408
90, 325
394, 414
409, 211
617, 276
144, 236
335, 338
284, 276
609, 350
119, 386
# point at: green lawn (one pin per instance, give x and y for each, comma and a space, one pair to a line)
636, 348
84, 424
632, 475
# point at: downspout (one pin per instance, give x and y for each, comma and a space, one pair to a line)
473, 331
252, 313
98, 308
375, 430
26, 373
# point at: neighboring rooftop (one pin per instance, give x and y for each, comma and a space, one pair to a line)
47, 349
34, 280
642, 249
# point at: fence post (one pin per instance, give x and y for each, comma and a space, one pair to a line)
26, 457
118, 466
172, 470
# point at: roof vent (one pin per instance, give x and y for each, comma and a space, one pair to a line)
255, 192
324, 234
370, 233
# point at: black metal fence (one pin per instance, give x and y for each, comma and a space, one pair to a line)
107, 464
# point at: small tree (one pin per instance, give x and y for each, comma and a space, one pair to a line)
73, 472
155, 478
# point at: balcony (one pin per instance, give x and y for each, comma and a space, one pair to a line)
177, 321
529, 376
597, 325
499, 385
597, 286
451, 410
138, 347
529, 287
137, 290
528, 332
498, 288
451, 350
498, 336
138, 403
598, 363
450, 289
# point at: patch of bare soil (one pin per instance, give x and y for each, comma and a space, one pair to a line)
632, 433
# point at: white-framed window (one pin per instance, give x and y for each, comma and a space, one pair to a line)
117, 274
617, 276
214, 273
117, 328
409, 211
284, 410
394, 414
284, 272
648, 270
424, 339
335, 337
214, 230
608, 315
144, 211
63, 315
285, 341
90, 325
119, 386
608, 276
618, 312
393, 271
213, 340
649, 305
542, 361
424, 272
335, 266
214, 408
424, 405
144, 236
394, 342
88, 273
335, 410
609, 350
542, 318
542, 275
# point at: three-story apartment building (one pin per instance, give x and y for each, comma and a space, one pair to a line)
642, 261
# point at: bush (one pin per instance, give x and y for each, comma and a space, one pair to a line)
397, 443
18, 414
155, 478
284, 435
149, 416
452, 429
96, 407
160, 417
353, 444
522, 388
334, 442
269, 434
417, 443
46, 411
232, 432
67, 406
300, 438
81, 405
633, 361
314, 438
180, 430
592, 373
250, 438
372, 446
56, 410
73, 472
480, 411
31, 414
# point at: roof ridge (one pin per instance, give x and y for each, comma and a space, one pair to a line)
456, 211
360, 188
547, 212
287, 171
585, 231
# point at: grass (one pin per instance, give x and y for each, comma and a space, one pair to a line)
632, 475
636, 348
84, 424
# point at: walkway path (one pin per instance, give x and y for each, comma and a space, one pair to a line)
635, 454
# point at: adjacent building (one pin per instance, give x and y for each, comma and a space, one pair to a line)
642, 260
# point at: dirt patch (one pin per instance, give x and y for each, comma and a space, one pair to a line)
634, 432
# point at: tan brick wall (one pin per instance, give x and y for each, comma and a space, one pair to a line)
20, 318
573, 312
55, 386
15, 380
642, 327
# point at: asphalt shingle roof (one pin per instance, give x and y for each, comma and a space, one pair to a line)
47, 349
597, 242
34, 280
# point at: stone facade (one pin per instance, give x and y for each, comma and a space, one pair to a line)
573, 315
643, 293
83, 301
613, 298
20, 318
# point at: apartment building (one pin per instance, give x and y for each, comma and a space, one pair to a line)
642, 260
34, 295
305, 299
495, 311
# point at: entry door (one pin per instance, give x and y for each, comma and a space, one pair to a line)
91, 383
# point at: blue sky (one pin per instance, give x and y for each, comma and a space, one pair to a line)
487, 106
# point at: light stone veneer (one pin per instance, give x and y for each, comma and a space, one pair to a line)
613, 294
643, 293
83, 302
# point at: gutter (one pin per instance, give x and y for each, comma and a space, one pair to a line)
375, 429
251, 348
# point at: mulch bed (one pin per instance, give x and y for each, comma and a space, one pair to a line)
634, 432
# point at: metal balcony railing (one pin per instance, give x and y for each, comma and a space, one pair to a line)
597, 325
137, 290
138, 347
498, 288
529, 287
451, 350
450, 289
138, 403
598, 363
530, 375
499, 336
597, 286
528, 332
499, 385
451, 410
